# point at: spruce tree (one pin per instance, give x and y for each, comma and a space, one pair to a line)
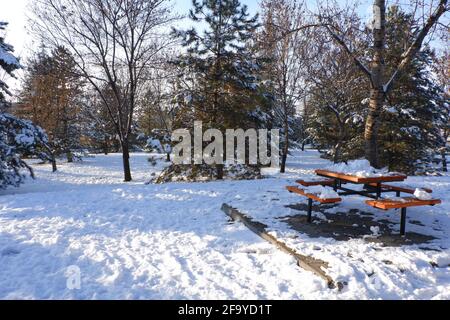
412, 117
222, 65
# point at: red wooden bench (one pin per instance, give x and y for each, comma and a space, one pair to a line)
312, 197
399, 189
401, 203
317, 182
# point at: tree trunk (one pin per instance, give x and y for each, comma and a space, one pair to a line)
377, 92
54, 167
219, 168
126, 161
105, 147
372, 126
444, 160
69, 155
286, 142
337, 151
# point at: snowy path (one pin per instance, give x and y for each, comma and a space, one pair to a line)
138, 241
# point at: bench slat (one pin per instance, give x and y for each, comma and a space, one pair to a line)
312, 196
404, 189
386, 204
326, 182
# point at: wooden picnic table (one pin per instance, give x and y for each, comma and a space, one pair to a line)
373, 186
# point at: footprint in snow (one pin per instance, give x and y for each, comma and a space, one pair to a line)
9, 252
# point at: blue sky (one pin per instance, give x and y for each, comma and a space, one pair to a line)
185, 5
15, 12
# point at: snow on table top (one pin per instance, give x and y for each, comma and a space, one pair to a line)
360, 168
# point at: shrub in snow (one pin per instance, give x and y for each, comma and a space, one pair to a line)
159, 141
204, 173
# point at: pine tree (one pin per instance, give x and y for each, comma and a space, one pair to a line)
442, 74
413, 116
222, 64
9, 63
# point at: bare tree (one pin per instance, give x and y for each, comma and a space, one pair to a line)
114, 42
289, 57
157, 110
334, 90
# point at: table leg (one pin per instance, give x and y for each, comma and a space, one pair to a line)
403, 222
378, 190
309, 210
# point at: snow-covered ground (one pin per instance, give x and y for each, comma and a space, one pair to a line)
172, 241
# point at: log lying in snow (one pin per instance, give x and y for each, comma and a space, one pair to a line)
308, 263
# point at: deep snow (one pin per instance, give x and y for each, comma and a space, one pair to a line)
172, 241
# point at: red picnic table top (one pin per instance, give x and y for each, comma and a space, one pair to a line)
361, 180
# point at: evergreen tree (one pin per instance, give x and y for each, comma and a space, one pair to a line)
412, 118
17, 137
9, 63
222, 65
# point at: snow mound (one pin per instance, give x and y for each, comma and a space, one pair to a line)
322, 192
360, 168
422, 195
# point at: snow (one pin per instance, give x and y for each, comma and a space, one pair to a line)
25, 139
360, 168
322, 192
172, 241
8, 58
422, 195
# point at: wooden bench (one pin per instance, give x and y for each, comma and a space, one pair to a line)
400, 189
317, 182
401, 203
312, 197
